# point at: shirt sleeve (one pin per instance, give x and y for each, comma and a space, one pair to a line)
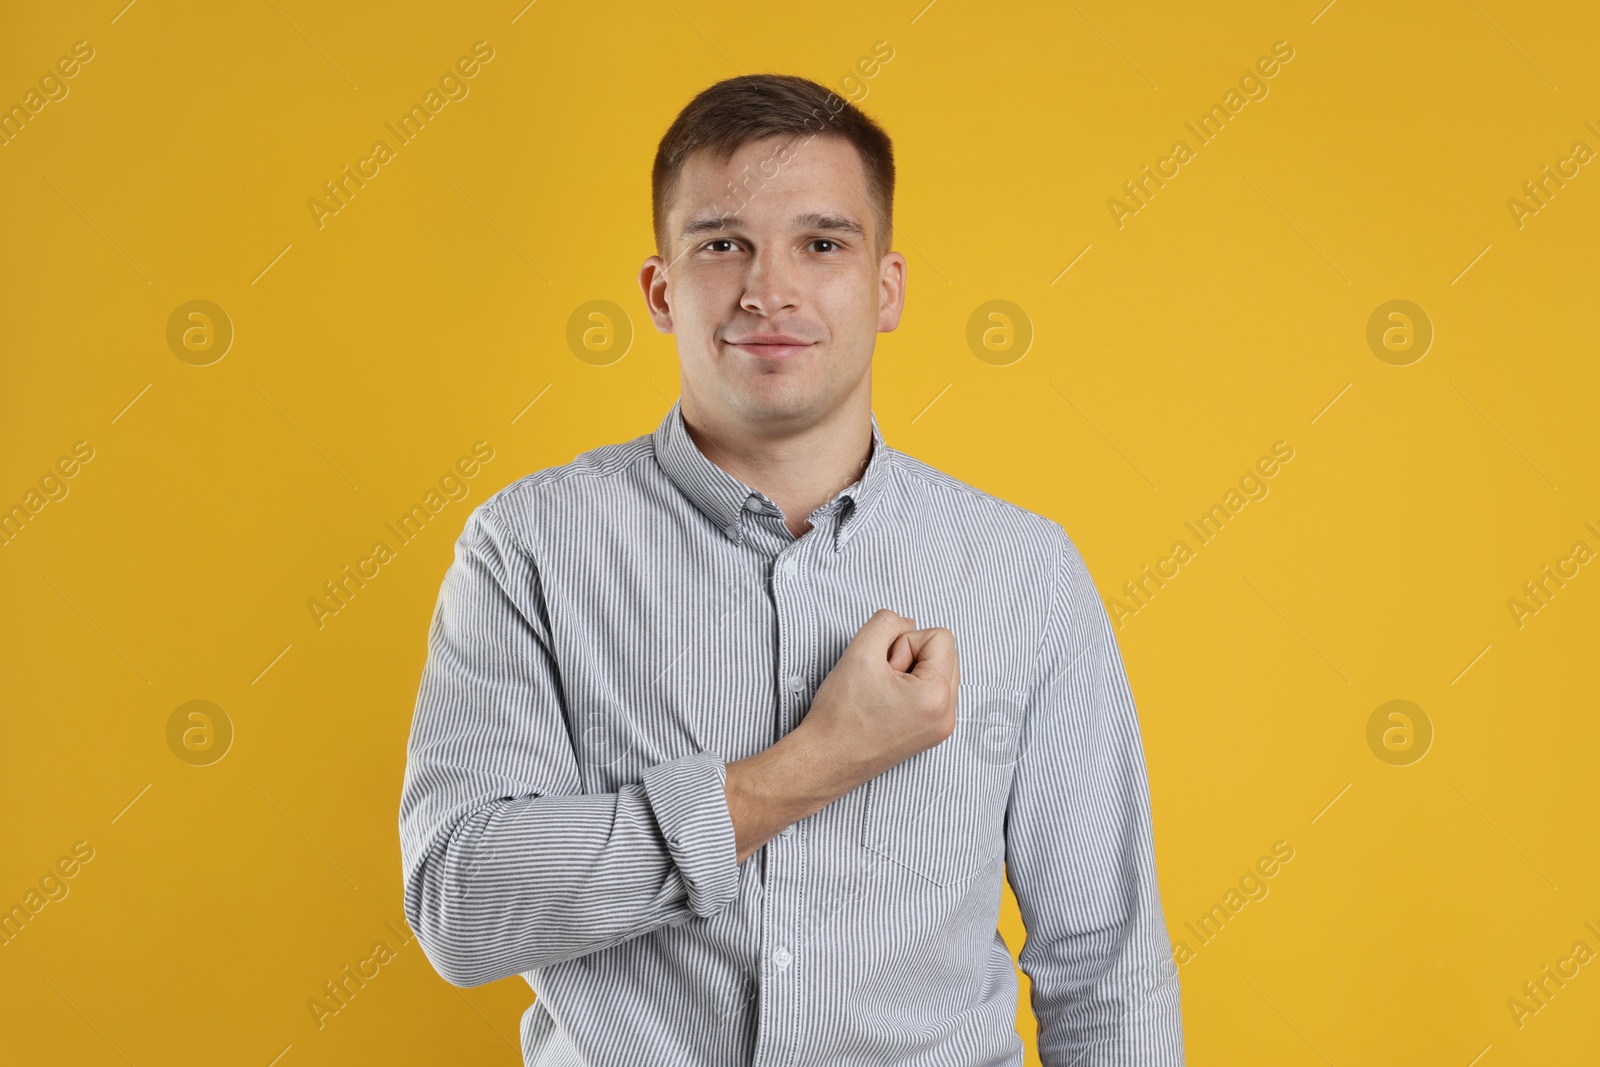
1080, 854
508, 866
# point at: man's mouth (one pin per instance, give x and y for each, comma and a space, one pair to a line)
771, 345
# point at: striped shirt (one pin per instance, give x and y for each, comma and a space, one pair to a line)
613, 631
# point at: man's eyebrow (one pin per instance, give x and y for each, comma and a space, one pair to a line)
838, 223
705, 225
810, 220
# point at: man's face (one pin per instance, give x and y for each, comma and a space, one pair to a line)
777, 303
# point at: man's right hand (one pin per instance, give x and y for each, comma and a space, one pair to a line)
891, 695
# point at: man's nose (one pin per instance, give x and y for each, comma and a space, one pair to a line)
770, 283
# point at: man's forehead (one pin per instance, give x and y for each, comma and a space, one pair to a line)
762, 163
789, 147
761, 182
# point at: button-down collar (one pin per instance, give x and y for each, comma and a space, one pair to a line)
723, 498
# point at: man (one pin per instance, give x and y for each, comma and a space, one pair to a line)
695, 752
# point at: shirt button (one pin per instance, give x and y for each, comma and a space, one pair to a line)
781, 958
789, 568
797, 684
787, 831
752, 504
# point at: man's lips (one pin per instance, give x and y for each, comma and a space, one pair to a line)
771, 345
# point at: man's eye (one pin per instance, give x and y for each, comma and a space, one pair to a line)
718, 241
826, 241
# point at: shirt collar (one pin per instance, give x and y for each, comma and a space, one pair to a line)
724, 498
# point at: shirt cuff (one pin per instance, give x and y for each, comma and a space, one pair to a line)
688, 798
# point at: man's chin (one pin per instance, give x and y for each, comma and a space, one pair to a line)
767, 400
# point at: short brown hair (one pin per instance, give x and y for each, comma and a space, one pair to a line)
753, 107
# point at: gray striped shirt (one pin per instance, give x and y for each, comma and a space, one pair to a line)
614, 630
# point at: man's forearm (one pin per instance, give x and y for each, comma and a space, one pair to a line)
529, 882
778, 786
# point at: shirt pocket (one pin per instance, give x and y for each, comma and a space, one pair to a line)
941, 813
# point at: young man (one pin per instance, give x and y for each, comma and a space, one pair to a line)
695, 751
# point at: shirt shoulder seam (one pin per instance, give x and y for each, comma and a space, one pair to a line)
939, 479
534, 481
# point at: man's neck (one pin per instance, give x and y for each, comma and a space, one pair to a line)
799, 471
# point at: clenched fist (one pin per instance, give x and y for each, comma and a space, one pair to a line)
891, 695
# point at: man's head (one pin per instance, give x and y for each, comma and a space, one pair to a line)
773, 204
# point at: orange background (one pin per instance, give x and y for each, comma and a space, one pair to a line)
1166, 355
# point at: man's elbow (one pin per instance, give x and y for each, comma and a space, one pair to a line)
464, 974
462, 951
460, 971
466, 958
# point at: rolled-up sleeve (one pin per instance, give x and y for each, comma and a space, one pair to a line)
689, 798
508, 866
1080, 853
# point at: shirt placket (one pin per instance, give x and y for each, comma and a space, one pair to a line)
783, 954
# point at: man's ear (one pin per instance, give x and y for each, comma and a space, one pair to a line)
891, 290
653, 283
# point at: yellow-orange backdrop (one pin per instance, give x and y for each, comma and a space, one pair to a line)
191, 474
